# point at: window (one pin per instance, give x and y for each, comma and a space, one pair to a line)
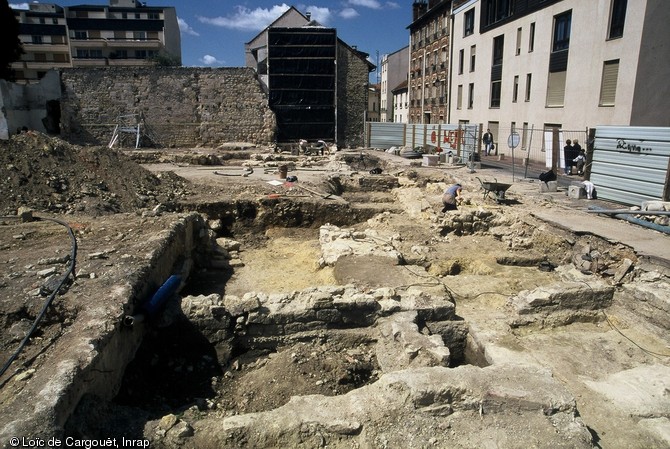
83, 35
529, 79
461, 55
140, 35
153, 16
498, 46
518, 41
471, 95
495, 93
40, 57
515, 90
609, 81
459, 97
562, 31
37, 39
137, 15
140, 54
556, 89
473, 54
469, 22
531, 38
124, 15
496, 10
617, 18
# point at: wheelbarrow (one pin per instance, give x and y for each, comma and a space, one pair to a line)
495, 187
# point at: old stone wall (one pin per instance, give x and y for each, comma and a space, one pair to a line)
352, 85
180, 106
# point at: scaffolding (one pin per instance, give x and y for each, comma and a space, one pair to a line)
131, 125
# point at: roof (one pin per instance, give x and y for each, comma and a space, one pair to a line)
399, 87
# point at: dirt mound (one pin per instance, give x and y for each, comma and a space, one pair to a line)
49, 174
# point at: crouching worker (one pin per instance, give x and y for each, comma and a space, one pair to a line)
452, 197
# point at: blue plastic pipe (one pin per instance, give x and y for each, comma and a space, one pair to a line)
161, 296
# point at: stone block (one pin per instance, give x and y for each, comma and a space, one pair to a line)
551, 186
576, 192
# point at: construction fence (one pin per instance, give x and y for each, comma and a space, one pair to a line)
534, 144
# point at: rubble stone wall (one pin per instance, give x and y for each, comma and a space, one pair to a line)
181, 106
352, 101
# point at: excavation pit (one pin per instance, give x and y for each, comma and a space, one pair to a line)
534, 339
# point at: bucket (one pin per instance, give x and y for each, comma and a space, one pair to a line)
283, 171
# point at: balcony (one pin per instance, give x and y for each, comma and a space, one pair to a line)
45, 48
117, 43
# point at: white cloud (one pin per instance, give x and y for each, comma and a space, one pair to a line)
349, 13
211, 60
185, 28
393, 5
373, 4
19, 6
321, 15
247, 19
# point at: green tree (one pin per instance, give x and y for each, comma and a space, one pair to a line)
165, 59
11, 49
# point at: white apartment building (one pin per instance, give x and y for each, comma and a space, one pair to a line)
567, 63
401, 103
394, 69
123, 33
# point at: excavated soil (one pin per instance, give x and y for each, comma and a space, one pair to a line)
114, 205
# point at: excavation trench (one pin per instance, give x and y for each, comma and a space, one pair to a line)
265, 316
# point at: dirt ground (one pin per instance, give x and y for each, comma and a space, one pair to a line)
114, 205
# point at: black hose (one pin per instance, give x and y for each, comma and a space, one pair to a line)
70, 270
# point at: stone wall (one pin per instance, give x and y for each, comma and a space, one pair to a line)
352, 101
180, 106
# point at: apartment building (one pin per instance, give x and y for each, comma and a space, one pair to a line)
394, 69
429, 61
374, 100
123, 33
566, 63
400, 103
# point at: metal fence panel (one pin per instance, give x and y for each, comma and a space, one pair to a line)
630, 164
386, 135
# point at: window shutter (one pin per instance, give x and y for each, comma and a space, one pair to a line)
608, 87
556, 89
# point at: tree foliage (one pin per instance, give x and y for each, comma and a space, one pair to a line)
10, 49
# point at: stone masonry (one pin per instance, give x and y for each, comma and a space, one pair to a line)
180, 106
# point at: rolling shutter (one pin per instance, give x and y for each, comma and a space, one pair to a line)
608, 87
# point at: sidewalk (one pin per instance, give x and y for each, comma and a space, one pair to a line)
647, 243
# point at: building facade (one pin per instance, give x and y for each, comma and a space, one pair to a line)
400, 103
374, 100
123, 33
297, 70
429, 61
394, 69
569, 64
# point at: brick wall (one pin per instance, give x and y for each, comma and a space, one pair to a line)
181, 106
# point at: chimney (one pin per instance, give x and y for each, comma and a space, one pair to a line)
419, 8
308, 15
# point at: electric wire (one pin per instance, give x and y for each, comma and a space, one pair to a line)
52, 296
613, 326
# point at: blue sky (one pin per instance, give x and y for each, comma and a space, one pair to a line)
213, 32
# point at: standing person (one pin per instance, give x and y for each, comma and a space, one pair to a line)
487, 140
576, 147
567, 157
451, 197
580, 161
